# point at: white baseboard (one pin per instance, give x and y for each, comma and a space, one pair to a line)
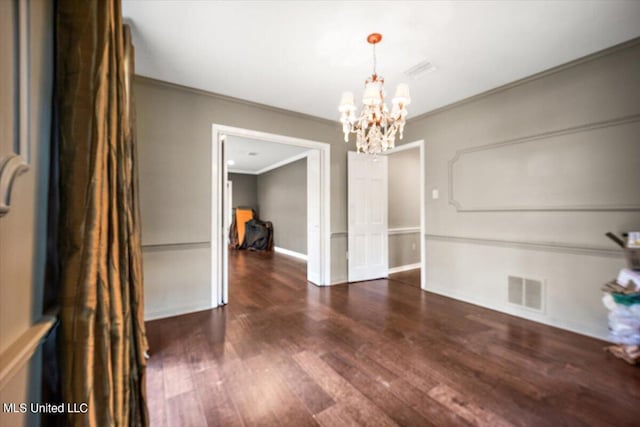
404, 268
534, 317
175, 311
290, 253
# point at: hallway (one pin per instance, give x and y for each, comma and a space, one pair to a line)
284, 352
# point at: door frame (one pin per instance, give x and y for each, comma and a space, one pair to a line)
219, 264
423, 207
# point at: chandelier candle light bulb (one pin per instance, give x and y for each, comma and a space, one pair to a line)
375, 127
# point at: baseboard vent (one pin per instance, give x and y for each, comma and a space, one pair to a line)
528, 293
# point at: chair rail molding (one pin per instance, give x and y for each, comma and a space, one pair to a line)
403, 230
20, 351
456, 200
568, 248
16, 161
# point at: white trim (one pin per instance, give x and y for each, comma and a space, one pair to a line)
569, 248
402, 268
219, 177
532, 315
403, 230
404, 147
423, 204
14, 357
283, 162
241, 171
290, 253
271, 167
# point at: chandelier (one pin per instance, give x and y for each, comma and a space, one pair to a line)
375, 127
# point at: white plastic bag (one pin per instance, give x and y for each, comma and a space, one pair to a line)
624, 323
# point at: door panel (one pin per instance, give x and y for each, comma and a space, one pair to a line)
368, 228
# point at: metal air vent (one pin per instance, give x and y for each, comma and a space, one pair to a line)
525, 292
420, 70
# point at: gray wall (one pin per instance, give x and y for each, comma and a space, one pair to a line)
470, 248
282, 198
23, 229
404, 207
531, 177
404, 189
174, 134
245, 190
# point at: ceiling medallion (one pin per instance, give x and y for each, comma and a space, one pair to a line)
375, 127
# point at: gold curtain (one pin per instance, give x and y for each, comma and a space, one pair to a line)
103, 340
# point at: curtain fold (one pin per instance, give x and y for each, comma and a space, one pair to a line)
103, 343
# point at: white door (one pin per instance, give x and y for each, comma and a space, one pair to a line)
368, 228
314, 270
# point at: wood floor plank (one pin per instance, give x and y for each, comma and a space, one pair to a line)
218, 408
359, 408
283, 403
467, 410
184, 410
308, 391
334, 416
155, 385
287, 353
378, 392
247, 397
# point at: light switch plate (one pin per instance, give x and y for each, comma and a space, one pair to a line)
435, 194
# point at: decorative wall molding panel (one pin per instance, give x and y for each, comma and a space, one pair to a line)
539, 246
546, 171
14, 155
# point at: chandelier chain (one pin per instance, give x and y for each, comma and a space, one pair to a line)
374, 59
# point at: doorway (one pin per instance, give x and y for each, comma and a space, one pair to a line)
369, 231
407, 220
317, 155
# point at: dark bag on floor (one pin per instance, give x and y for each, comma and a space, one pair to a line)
258, 235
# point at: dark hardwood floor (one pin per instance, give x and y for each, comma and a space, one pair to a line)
284, 352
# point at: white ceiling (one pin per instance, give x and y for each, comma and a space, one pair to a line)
302, 55
267, 154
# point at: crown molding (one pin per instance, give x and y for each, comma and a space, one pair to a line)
284, 162
175, 86
520, 82
241, 171
511, 85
